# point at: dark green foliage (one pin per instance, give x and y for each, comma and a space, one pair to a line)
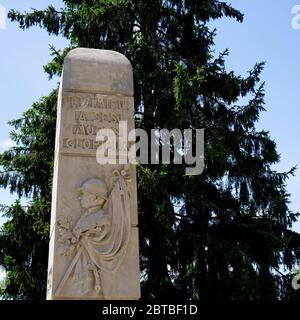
223, 235
27, 172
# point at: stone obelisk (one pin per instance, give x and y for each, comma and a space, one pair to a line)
94, 252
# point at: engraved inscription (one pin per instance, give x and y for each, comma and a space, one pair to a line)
97, 116
97, 101
87, 130
73, 143
87, 113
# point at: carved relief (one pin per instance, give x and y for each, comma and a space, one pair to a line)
97, 242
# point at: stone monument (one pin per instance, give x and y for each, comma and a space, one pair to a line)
94, 251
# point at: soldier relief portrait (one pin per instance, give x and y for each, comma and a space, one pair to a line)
97, 242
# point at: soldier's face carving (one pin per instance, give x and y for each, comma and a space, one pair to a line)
89, 200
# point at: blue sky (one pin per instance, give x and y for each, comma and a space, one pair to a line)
22, 81
265, 35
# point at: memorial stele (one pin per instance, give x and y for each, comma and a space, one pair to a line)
94, 251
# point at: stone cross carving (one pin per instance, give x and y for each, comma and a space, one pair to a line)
94, 237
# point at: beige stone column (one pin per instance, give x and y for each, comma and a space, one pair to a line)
94, 251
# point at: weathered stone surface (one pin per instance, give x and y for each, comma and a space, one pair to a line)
94, 250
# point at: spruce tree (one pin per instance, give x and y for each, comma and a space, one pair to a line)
223, 235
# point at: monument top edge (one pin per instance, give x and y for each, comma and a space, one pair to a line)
97, 70
94, 55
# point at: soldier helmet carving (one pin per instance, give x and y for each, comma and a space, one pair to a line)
95, 186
